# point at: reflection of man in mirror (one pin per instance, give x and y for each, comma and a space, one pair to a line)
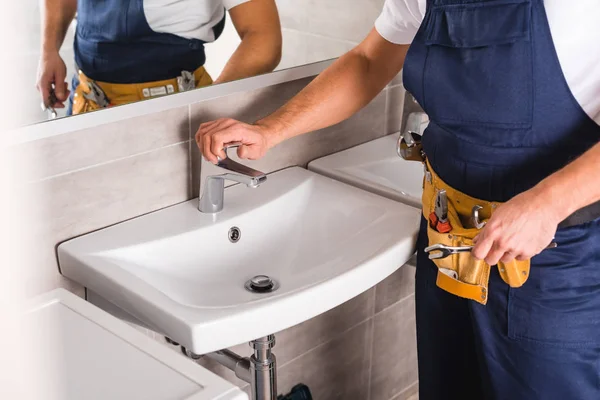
140, 49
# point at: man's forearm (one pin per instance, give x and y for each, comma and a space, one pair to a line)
340, 91
256, 54
57, 17
575, 186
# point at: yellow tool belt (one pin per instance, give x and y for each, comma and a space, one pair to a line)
461, 274
124, 93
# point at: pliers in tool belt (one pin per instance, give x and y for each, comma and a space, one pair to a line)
439, 218
96, 95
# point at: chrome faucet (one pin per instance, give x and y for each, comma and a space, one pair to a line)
212, 188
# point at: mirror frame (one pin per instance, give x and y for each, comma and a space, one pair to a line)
45, 129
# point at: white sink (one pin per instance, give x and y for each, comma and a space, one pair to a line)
82, 352
375, 166
178, 273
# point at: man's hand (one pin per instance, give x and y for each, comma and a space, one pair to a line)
520, 228
52, 70
214, 135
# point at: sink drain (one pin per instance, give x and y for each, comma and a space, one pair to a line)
234, 234
261, 284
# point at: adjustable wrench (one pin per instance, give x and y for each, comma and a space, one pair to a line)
49, 105
439, 250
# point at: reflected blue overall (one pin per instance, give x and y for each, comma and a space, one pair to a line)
114, 43
502, 119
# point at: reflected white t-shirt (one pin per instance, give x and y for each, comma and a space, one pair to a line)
575, 27
191, 19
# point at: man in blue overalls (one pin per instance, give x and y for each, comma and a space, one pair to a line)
512, 91
127, 51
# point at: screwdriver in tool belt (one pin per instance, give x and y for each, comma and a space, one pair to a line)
439, 218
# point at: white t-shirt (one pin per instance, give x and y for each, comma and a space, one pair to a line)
575, 28
191, 19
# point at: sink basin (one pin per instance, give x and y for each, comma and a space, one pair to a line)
178, 272
81, 352
375, 166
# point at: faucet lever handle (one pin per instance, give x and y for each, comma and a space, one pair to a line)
234, 166
231, 145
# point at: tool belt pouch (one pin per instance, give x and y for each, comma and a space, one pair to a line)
80, 103
462, 274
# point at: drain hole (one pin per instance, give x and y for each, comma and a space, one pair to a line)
234, 234
261, 284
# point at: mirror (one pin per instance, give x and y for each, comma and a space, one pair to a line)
90, 55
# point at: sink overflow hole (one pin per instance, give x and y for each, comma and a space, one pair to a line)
261, 284
234, 234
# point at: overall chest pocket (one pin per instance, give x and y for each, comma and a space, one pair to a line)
478, 70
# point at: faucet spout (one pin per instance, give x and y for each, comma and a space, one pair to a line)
212, 189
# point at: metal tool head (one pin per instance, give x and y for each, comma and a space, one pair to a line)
410, 147
441, 205
48, 104
475, 217
439, 250
50, 110
96, 94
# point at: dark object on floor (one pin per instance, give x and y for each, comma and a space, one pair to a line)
299, 392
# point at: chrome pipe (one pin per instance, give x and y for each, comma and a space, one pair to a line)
239, 365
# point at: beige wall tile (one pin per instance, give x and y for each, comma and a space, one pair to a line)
411, 393
395, 287
394, 108
394, 366
301, 338
335, 370
246, 106
397, 80
72, 151
73, 204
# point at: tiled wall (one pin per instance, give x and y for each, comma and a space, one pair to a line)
89, 179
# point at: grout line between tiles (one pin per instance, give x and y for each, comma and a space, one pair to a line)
386, 112
107, 162
372, 344
394, 304
406, 389
190, 161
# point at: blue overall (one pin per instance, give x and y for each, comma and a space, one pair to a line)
502, 118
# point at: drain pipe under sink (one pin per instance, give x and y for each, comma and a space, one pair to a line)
259, 370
